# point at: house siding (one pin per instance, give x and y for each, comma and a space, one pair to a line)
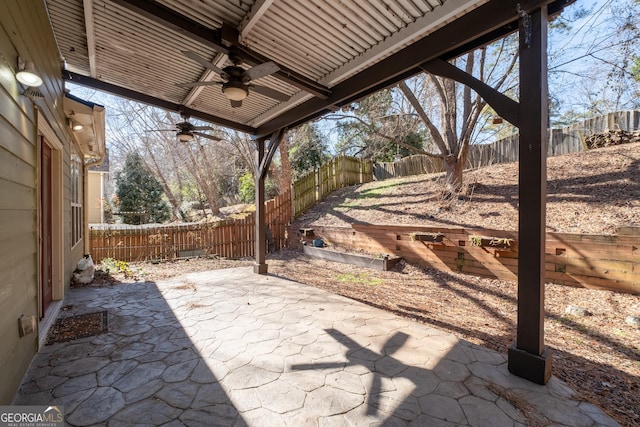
94, 189
25, 32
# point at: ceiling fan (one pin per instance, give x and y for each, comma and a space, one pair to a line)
236, 81
185, 130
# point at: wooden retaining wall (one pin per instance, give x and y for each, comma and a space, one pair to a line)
591, 261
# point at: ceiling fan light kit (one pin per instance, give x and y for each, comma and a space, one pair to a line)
236, 81
184, 136
235, 91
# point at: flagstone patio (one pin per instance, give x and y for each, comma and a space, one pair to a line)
232, 348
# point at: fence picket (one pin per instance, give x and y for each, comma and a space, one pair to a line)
229, 238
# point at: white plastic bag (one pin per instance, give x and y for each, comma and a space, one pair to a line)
85, 271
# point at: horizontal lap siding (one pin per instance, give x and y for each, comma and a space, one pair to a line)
18, 239
23, 31
608, 262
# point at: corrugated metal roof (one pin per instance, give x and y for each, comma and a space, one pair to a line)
325, 41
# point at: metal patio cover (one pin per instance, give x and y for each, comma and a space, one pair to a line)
329, 52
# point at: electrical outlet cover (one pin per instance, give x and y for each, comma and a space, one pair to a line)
26, 325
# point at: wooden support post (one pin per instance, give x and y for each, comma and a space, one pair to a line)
260, 266
263, 160
528, 357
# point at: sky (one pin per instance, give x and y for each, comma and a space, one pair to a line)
591, 46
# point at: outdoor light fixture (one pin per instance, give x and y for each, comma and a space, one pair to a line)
33, 93
235, 91
76, 126
184, 136
27, 74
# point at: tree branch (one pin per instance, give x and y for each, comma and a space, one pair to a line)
433, 131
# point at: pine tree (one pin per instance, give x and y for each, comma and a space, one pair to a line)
137, 190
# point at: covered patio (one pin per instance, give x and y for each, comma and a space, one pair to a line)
309, 58
232, 348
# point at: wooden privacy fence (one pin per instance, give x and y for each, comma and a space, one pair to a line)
591, 261
234, 238
418, 164
339, 172
569, 139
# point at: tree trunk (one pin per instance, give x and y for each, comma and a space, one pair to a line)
204, 183
453, 175
173, 200
285, 177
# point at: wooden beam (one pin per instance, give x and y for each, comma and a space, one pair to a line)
502, 104
263, 160
151, 100
274, 142
528, 357
251, 19
91, 36
260, 266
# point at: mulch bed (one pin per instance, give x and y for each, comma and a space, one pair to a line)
79, 326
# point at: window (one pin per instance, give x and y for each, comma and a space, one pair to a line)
76, 199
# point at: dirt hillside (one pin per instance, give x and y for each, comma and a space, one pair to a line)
591, 192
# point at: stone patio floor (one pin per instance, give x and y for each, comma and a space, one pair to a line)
231, 348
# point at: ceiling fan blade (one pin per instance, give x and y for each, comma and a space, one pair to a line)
160, 130
200, 60
197, 84
262, 70
202, 128
235, 104
206, 135
271, 93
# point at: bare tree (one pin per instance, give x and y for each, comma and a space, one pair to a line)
132, 130
376, 127
453, 130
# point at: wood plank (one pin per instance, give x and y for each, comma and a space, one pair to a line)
597, 264
603, 252
600, 283
352, 259
602, 273
591, 238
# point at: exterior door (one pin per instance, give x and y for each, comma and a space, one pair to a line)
46, 227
